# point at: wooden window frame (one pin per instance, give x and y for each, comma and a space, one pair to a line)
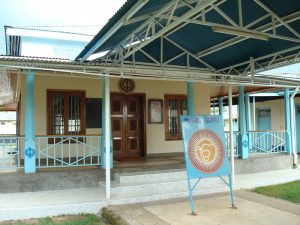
178, 97
66, 94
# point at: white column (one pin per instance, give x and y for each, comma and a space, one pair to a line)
107, 136
293, 126
231, 134
254, 113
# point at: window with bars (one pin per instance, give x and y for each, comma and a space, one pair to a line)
175, 105
66, 112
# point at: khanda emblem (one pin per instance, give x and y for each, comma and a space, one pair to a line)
29, 152
206, 151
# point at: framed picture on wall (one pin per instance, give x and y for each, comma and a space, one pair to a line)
155, 111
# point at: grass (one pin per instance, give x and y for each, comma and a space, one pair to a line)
88, 219
289, 191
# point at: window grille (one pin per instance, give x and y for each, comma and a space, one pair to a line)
175, 105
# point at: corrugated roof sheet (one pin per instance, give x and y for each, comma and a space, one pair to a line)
48, 29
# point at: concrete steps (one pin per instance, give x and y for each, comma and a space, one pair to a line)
157, 185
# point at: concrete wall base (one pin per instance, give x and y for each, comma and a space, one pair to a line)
262, 163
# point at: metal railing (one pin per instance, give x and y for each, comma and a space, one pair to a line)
235, 142
267, 142
68, 151
10, 152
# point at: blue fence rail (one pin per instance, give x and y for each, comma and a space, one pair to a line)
52, 151
85, 150
262, 142
10, 157
68, 151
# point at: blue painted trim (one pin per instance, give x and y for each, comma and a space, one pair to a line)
190, 99
29, 151
288, 137
243, 142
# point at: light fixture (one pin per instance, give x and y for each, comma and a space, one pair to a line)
241, 32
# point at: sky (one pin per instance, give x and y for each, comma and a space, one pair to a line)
83, 16
292, 69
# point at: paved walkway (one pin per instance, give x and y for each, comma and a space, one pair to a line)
252, 209
90, 200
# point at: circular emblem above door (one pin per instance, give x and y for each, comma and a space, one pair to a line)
126, 86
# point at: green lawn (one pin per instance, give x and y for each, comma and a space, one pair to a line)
61, 220
289, 191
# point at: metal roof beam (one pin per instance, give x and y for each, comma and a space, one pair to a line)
278, 18
138, 5
201, 4
146, 72
264, 28
189, 54
236, 29
148, 15
294, 58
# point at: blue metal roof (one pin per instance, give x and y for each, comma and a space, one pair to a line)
279, 20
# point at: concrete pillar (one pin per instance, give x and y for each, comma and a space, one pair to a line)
288, 137
243, 142
29, 152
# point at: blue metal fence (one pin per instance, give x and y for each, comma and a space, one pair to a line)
68, 151
85, 150
52, 151
261, 142
267, 142
10, 152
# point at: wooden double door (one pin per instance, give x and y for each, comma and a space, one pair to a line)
128, 126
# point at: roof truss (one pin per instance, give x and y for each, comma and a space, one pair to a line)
164, 22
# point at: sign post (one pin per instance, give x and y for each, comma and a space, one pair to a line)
205, 152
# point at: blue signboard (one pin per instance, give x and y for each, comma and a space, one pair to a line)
205, 150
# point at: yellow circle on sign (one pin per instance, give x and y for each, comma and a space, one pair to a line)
206, 151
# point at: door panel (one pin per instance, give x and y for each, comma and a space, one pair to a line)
264, 124
127, 126
264, 119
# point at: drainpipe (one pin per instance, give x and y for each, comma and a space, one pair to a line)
231, 147
293, 124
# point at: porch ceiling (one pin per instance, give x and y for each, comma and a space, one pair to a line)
222, 91
221, 37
